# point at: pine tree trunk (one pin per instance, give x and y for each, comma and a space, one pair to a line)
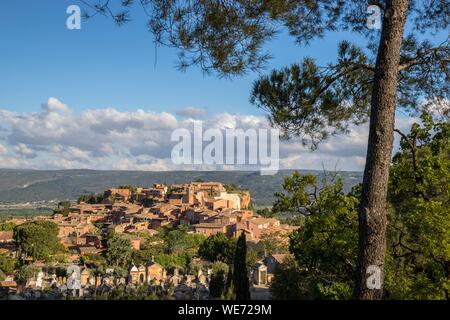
373, 208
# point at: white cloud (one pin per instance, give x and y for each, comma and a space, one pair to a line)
59, 138
54, 105
12, 162
73, 153
24, 151
191, 112
3, 149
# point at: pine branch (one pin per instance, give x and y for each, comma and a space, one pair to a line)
439, 53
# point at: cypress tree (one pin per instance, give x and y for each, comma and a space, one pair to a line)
229, 288
217, 285
240, 274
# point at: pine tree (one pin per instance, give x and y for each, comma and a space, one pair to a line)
312, 102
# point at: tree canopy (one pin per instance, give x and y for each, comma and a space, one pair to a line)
217, 248
304, 99
325, 248
37, 239
419, 228
118, 252
290, 282
7, 226
228, 37
91, 198
418, 231
7, 263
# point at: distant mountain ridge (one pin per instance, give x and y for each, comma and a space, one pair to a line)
35, 185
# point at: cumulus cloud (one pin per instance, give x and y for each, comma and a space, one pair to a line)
341, 152
54, 105
57, 137
24, 151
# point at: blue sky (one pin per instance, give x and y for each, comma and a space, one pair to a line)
103, 65
93, 98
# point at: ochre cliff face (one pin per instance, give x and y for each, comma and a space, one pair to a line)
245, 200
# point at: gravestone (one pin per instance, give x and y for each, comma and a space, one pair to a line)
39, 279
74, 282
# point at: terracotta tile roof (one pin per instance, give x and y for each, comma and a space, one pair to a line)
8, 284
209, 225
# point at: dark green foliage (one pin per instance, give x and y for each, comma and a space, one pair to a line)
228, 37
295, 198
63, 208
193, 266
178, 241
229, 282
240, 273
229, 293
217, 284
220, 266
304, 99
171, 261
289, 282
91, 198
266, 213
217, 248
419, 228
296, 220
171, 247
175, 241
304, 195
251, 258
309, 100
231, 187
127, 186
326, 244
272, 244
168, 261
7, 264
118, 252
127, 293
26, 272
234, 188
418, 231
148, 202
94, 261
7, 226
37, 239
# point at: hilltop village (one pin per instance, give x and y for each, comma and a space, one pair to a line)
140, 216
